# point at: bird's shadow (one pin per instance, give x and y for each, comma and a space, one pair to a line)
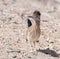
49, 52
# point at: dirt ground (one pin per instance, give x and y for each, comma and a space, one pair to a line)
13, 29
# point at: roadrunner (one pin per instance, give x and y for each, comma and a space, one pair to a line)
34, 27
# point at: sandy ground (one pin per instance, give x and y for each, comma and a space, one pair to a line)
13, 29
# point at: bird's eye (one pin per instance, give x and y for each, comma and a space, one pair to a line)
29, 23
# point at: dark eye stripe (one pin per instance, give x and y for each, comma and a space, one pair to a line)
29, 23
